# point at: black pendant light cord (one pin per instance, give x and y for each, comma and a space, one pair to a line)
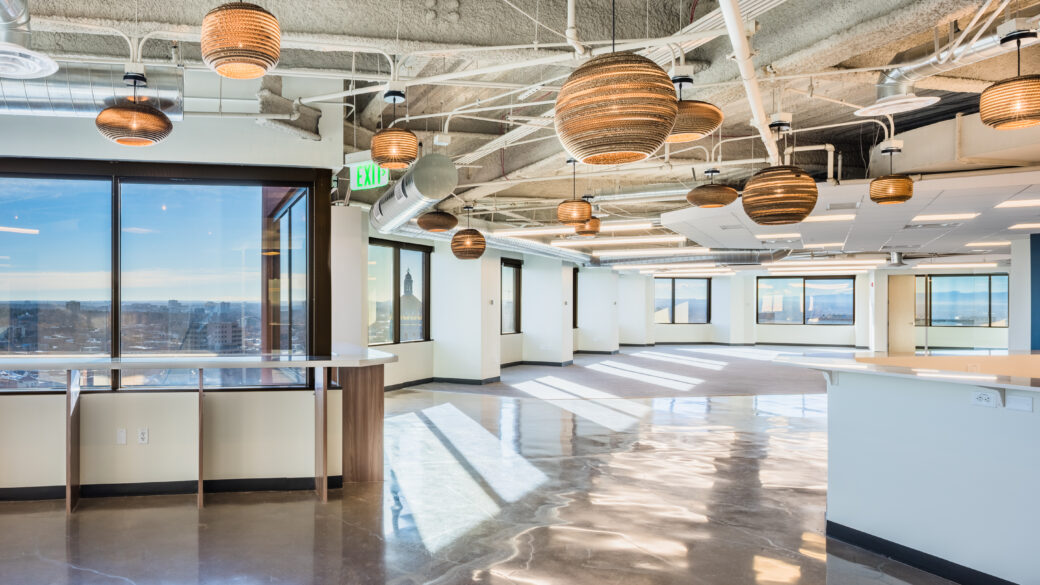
574, 180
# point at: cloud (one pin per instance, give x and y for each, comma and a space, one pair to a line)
138, 230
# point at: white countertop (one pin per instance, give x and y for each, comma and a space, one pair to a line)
359, 359
832, 364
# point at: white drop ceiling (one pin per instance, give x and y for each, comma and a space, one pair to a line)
879, 228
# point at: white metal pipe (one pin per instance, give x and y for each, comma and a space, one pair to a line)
469, 111
943, 58
572, 29
830, 156
529, 63
255, 115
742, 54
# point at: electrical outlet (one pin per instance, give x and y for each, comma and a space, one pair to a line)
120, 436
987, 398
142, 436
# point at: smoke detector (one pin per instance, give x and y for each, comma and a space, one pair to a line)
19, 62
394, 93
896, 104
781, 121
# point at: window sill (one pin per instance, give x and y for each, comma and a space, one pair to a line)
513, 333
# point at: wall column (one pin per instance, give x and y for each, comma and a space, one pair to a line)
465, 323
598, 310
1024, 294
635, 309
546, 311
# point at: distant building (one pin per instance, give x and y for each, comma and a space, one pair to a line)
411, 312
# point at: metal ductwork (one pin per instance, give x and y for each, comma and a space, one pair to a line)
895, 87
728, 257
78, 90
432, 178
504, 244
17, 59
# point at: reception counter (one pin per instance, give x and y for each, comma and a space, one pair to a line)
360, 375
935, 461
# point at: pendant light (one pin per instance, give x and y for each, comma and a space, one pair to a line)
695, 119
134, 123
589, 228
1015, 102
615, 108
437, 221
779, 195
891, 188
711, 195
574, 211
394, 148
240, 40
468, 244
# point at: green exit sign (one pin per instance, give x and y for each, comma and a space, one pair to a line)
368, 175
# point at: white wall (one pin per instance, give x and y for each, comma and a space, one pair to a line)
263, 434
511, 348
194, 140
414, 362
636, 309
945, 477
1020, 296
598, 310
546, 318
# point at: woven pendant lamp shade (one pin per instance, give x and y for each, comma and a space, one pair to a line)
240, 40
1012, 103
711, 196
890, 189
615, 108
133, 124
468, 244
574, 212
589, 228
437, 221
694, 121
779, 195
394, 148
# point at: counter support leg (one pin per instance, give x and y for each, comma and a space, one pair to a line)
73, 408
362, 423
321, 433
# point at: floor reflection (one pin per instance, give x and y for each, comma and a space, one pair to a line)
570, 484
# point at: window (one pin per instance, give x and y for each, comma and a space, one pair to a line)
682, 300
511, 295
398, 292
810, 300
971, 300
128, 259
574, 297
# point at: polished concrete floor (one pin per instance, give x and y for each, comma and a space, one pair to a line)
567, 483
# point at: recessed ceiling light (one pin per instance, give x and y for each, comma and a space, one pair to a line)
693, 274
835, 217
944, 216
788, 236
984, 244
956, 265
649, 252
1018, 203
824, 245
1025, 226
664, 239
831, 272
676, 265
836, 262
558, 230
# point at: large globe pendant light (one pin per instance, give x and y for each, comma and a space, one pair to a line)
695, 119
133, 123
589, 228
711, 195
574, 211
615, 108
437, 221
240, 40
779, 195
1012, 103
395, 148
891, 189
468, 244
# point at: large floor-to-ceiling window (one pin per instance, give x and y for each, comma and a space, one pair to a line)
682, 300
398, 292
962, 300
154, 262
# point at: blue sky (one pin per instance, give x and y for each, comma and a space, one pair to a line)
179, 241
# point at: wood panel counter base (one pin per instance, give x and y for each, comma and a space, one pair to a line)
362, 423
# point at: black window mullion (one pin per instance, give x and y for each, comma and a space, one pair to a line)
396, 302
673, 300
115, 329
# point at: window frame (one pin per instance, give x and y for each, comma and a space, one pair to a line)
672, 312
758, 313
318, 182
989, 300
427, 251
517, 266
574, 297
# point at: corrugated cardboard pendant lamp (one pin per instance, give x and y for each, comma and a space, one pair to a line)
395, 148
1015, 102
615, 108
574, 211
241, 40
468, 244
891, 188
695, 119
135, 122
711, 195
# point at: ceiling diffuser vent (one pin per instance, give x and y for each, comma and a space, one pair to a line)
928, 226
731, 227
892, 248
839, 206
